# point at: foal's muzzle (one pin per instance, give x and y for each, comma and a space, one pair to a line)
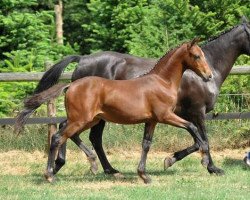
207, 77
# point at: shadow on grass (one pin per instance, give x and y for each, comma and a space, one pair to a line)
229, 162
129, 177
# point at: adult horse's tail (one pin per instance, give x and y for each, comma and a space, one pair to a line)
35, 101
52, 76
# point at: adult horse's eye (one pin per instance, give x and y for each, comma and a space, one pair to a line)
196, 57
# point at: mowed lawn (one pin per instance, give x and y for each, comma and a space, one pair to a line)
21, 177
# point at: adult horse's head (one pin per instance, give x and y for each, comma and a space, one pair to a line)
196, 60
246, 25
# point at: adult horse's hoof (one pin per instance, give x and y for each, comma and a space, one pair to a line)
215, 170
247, 159
205, 161
168, 162
49, 177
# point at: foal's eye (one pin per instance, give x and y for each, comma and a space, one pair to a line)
196, 57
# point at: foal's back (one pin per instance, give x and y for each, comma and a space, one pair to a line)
107, 99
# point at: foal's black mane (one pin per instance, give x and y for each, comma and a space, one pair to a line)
168, 54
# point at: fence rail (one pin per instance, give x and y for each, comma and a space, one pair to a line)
36, 76
57, 120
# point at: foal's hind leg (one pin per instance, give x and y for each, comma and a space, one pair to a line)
89, 153
55, 144
61, 156
57, 140
60, 160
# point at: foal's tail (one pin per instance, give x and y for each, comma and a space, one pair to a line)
52, 76
35, 101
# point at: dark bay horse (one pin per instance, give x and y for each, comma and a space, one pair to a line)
149, 99
220, 52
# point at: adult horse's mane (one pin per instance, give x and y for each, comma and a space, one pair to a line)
222, 33
171, 51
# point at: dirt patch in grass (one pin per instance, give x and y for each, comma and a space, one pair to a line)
20, 162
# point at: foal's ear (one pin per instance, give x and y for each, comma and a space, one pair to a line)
193, 42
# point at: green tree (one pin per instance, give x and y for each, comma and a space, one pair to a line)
27, 40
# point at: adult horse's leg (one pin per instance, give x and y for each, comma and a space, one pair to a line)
146, 143
198, 121
95, 137
210, 165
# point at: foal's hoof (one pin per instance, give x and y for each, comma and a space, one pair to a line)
119, 175
168, 162
93, 165
94, 168
49, 177
146, 179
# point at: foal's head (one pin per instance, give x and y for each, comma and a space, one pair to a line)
196, 61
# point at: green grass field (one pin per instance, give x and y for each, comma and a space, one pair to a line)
23, 161
22, 177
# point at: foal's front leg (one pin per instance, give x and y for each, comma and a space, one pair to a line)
206, 160
175, 120
146, 143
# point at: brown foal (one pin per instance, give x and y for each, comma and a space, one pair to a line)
149, 99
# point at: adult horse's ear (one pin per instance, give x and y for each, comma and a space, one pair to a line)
244, 19
193, 42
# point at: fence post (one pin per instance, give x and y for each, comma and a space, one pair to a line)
51, 112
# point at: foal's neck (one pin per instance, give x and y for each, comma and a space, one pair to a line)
171, 68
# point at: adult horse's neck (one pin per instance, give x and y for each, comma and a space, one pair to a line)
222, 52
170, 67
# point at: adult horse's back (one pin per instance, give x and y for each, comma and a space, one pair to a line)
106, 64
